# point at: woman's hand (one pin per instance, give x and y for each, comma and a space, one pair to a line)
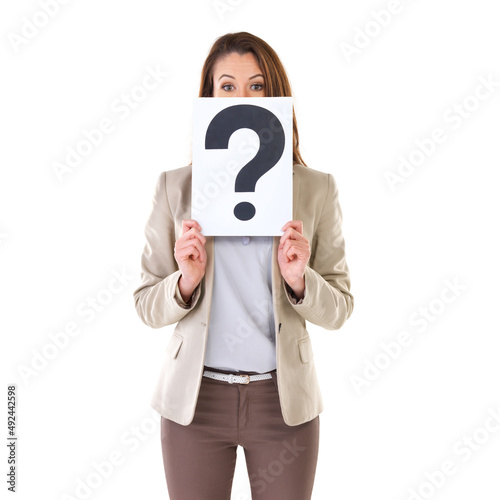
293, 255
189, 252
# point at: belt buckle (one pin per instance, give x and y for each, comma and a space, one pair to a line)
232, 378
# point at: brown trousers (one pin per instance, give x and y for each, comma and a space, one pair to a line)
200, 458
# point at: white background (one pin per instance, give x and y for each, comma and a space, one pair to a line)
61, 241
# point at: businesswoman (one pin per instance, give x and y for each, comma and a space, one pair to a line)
239, 365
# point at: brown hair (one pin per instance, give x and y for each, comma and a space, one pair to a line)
275, 77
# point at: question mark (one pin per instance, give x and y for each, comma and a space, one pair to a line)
258, 119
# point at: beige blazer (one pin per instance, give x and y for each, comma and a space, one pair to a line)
327, 301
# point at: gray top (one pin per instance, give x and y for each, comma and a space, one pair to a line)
241, 332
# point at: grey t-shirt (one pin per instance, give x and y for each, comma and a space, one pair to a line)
241, 332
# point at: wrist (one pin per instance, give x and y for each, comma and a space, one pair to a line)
298, 287
186, 288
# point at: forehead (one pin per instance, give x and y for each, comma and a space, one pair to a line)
235, 64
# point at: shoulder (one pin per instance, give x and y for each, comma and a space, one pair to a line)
174, 186
177, 183
178, 174
315, 181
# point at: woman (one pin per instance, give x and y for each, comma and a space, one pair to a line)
239, 367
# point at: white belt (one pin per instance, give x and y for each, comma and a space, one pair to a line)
239, 379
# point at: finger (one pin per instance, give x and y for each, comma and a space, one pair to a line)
186, 253
193, 233
193, 238
291, 233
295, 248
203, 254
183, 244
288, 249
187, 224
295, 224
190, 247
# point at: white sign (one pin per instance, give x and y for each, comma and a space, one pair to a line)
242, 181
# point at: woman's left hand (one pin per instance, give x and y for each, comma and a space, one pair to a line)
293, 254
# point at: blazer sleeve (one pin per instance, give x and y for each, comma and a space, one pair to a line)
327, 300
156, 301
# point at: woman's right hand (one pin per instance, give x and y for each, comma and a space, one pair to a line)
189, 252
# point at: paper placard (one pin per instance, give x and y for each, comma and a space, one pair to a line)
242, 165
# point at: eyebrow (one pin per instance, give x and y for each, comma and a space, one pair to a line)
254, 76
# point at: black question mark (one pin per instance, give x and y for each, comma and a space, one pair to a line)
258, 119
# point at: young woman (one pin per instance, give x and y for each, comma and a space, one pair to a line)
239, 366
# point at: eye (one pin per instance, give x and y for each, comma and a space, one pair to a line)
258, 85
227, 85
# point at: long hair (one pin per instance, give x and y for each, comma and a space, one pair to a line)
275, 77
